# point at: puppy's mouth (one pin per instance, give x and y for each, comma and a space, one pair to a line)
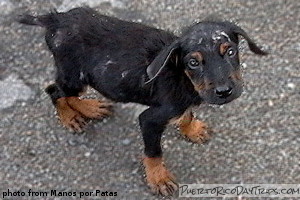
220, 101
211, 97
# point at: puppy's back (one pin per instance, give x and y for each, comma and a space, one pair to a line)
84, 30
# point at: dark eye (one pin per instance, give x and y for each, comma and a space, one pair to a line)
231, 52
193, 63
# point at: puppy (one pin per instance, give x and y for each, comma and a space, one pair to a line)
131, 62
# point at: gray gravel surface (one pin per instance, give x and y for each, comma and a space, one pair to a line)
256, 137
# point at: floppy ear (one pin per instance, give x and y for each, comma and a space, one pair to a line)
161, 60
253, 47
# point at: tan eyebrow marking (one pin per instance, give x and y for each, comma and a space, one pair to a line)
198, 56
224, 47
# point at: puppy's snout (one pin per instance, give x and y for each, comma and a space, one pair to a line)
223, 91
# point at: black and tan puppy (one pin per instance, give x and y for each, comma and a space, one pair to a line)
130, 62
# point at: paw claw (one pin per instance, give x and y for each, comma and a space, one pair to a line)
81, 122
172, 187
105, 105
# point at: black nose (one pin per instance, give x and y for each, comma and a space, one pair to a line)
223, 91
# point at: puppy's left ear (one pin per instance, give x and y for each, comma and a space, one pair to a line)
161, 60
252, 45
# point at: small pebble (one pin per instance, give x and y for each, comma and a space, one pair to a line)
291, 85
72, 142
126, 142
270, 103
87, 154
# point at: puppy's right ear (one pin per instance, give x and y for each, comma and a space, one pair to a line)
161, 60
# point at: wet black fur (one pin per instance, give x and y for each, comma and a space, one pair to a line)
118, 59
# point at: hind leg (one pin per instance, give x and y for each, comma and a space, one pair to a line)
90, 108
69, 117
70, 83
73, 111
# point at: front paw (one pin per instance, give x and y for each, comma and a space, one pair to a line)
159, 179
196, 131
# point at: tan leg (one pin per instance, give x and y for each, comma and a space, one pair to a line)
194, 129
90, 108
160, 180
69, 117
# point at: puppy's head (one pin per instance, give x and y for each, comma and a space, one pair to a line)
207, 54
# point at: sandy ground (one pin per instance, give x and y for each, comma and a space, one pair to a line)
256, 137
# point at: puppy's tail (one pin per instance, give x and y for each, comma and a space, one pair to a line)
41, 20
